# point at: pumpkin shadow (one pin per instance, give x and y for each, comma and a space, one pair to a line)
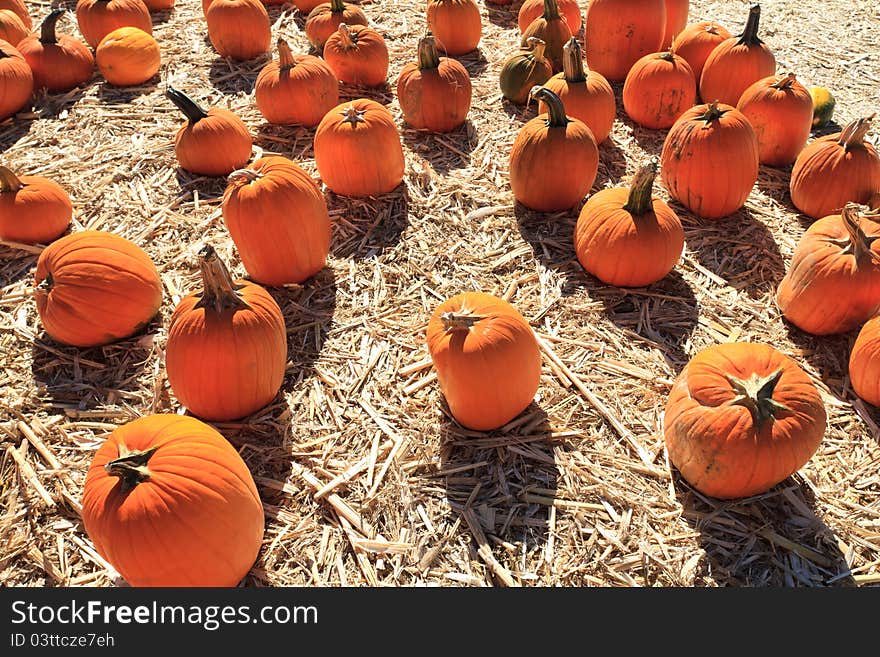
15, 264
505, 16
13, 129
522, 113
612, 164
381, 93
829, 128
774, 184
651, 141
366, 227
109, 93
295, 142
209, 187
231, 77
161, 16
474, 62
828, 355
447, 151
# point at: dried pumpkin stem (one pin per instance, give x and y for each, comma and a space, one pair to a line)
248, 174
859, 243
48, 282
9, 182
131, 466
429, 58
537, 46
186, 104
749, 37
337, 6
220, 292
353, 115
286, 60
853, 135
47, 28
667, 56
555, 109
551, 10
784, 82
712, 113
573, 62
756, 394
460, 321
640, 200
349, 39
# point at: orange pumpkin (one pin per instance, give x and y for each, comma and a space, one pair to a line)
19, 8
864, 362
239, 29
737, 63
835, 169
159, 5
305, 6
434, 92
97, 18
33, 209
709, 161
16, 81
740, 418
486, 357
357, 149
212, 143
620, 32
532, 9
456, 24
128, 56
59, 62
278, 220
93, 288
697, 41
324, 20
658, 89
523, 70
167, 501
586, 95
554, 159
833, 281
295, 89
12, 29
357, 55
628, 237
553, 30
227, 346
676, 19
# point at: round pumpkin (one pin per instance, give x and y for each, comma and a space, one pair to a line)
59, 62
93, 288
523, 70
12, 29
456, 24
167, 501
239, 29
33, 209
620, 32
532, 9
697, 41
324, 20
16, 81
19, 8
864, 362
823, 106
676, 20
553, 30
227, 346
487, 359
97, 18
658, 89
278, 220
128, 56
740, 418
357, 55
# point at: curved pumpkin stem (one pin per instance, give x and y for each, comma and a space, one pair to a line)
9, 182
286, 60
756, 394
858, 244
131, 466
556, 110
749, 37
784, 82
47, 28
712, 113
337, 6
853, 135
573, 62
537, 46
463, 320
186, 104
429, 58
349, 38
640, 200
667, 55
551, 11
220, 292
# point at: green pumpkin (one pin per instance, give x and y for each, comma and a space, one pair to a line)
523, 71
823, 106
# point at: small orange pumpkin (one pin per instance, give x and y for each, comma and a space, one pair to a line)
532, 9
59, 62
553, 30
864, 362
456, 24
128, 56
697, 41
97, 18
19, 8
239, 29
357, 55
618, 33
658, 89
523, 70
12, 29
16, 81
33, 209
324, 20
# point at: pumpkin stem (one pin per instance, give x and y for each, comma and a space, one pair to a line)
712, 113
749, 37
756, 394
9, 182
853, 135
286, 60
353, 115
131, 466
349, 39
337, 6
537, 46
784, 82
220, 292
573, 62
463, 320
551, 11
248, 174
47, 29
186, 104
667, 56
640, 200
48, 283
556, 110
859, 244
428, 55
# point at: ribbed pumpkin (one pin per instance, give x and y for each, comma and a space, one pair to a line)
239, 29
12, 29
168, 502
835, 169
486, 357
212, 143
227, 346
864, 362
833, 281
620, 32
658, 89
33, 209
740, 418
523, 70
627, 237
434, 92
697, 41
357, 149
278, 220
676, 20
781, 113
324, 20
59, 62
19, 8
97, 18
553, 30
16, 81
554, 159
93, 288
295, 89
532, 9
456, 24
737, 63
709, 161
586, 94
357, 55
128, 56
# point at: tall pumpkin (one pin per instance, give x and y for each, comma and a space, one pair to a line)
552, 28
357, 55
16, 81
523, 70
33, 209
658, 89
59, 62
227, 346
740, 418
239, 29
168, 502
97, 18
278, 220
532, 9
325, 19
456, 24
709, 161
864, 362
486, 357
93, 288
620, 32
697, 41
676, 20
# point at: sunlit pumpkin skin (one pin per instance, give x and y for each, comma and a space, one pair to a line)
93, 288
676, 20
278, 220
781, 113
736, 63
709, 161
33, 209
553, 30
324, 20
658, 89
586, 94
239, 29
554, 159
434, 92
864, 362
167, 501
97, 18
19, 8
357, 149
835, 169
357, 55
742, 417
227, 346
532, 9
823, 106
59, 62
486, 357
211, 143
128, 56
697, 41
620, 32
456, 24
159, 5
833, 281
12, 29
295, 89
16, 81
523, 70
627, 237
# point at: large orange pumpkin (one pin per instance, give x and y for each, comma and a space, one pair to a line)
456, 24
97, 18
357, 55
59, 62
620, 32
552, 28
658, 89
239, 29
523, 70
227, 346
532, 9
128, 56
676, 19
93, 288
324, 20
168, 502
33, 209
12, 29
486, 357
697, 41
19, 8
864, 362
740, 418
16, 81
